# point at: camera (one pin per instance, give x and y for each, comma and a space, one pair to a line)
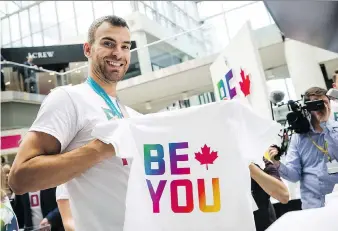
298, 117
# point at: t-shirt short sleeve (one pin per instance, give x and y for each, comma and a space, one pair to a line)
61, 193
57, 117
255, 133
118, 134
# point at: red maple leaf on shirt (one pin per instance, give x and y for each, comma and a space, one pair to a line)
206, 157
245, 84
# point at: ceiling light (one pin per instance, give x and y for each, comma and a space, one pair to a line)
51, 73
7, 83
148, 106
49, 81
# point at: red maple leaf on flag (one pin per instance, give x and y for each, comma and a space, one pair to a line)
206, 157
245, 84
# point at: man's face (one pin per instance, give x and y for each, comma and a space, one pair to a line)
110, 53
326, 102
30, 59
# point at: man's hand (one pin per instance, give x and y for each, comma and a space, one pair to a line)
323, 115
272, 153
44, 222
106, 150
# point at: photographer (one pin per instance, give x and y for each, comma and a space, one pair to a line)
312, 155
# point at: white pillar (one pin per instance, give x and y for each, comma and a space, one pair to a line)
303, 66
142, 54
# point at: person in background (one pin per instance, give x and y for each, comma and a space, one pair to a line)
6, 169
8, 220
3, 85
29, 76
62, 199
266, 183
335, 79
38, 209
311, 156
334, 103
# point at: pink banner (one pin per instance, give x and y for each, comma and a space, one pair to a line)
8, 142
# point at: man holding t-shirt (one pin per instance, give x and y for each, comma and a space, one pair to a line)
59, 147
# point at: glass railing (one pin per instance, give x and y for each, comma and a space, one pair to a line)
158, 54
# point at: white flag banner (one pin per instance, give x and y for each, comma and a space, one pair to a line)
190, 167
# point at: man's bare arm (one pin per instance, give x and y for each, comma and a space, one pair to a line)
39, 165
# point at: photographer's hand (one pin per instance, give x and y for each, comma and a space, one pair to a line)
273, 152
323, 115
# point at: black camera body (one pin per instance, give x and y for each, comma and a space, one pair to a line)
297, 118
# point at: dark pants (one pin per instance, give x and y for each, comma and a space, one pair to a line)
3, 86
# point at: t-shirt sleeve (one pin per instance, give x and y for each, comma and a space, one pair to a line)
57, 117
117, 133
62, 193
255, 133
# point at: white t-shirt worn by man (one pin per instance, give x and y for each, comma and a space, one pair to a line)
35, 204
97, 197
61, 193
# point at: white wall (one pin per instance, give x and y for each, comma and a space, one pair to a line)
303, 66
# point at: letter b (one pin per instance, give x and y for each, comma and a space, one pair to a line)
148, 159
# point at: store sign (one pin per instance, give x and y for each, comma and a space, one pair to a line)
11, 141
45, 54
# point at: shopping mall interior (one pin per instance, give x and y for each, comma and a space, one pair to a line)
180, 52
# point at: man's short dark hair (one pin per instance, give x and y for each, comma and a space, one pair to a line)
314, 91
335, 75
113, 20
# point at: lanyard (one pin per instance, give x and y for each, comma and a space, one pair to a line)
320, 148
98, 89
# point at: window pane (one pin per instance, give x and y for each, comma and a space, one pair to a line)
24, 20
102, 8
17, 43
27, 42
84, 8
3, 6
180, 4
65, 10
83, 24
48, 14
228, 5
141, 8
5, 32
84, 16
51, 36
122, 8
256, 13
150, 13
27, 3
207, 8
35, 19
11, 7
15, 27
67, 30
37, 39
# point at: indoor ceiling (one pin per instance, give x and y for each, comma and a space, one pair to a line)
7, 8
311, 22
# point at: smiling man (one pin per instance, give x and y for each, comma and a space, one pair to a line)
59, 147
